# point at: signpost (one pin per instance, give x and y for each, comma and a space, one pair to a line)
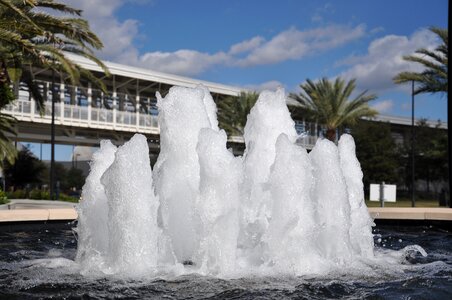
383, 193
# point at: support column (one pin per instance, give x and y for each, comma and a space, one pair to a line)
90, 100
62, 103
32, 110
137, 110
115, 94
114, 107
137, 104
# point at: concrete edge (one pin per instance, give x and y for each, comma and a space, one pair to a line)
388, 213
49, 214
411, 213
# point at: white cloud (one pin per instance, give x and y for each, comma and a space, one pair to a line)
295, 44
271, 85
119, 36
186, 62
246, 45
326, 9
383, 106
383, 61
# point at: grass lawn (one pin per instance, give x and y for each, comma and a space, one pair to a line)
405, 203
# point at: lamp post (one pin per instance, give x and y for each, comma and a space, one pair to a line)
413, 179
52, 141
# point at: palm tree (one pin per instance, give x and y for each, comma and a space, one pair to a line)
433, 78
32, 37
233, 112
7, 150
328, 103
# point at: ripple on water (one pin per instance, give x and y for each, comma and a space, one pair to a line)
39, 264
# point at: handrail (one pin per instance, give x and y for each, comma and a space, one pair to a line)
102, 118
84, 116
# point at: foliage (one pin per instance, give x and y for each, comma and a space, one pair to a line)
3, 197
233, 112
17, 194
26, 170
74, 179
30, 36
68, 179
69, 198
7, 150
376, 151
38, 194
434, 76
432, 79
328, 102
431, 160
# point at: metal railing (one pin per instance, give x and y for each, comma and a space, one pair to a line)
83, 116
111, 119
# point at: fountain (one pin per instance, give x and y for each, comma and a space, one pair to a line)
276, 209
277, 222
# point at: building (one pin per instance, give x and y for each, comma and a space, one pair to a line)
84, 114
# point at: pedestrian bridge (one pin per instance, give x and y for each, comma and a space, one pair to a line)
86, 125
84, 115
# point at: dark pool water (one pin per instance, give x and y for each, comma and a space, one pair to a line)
34, 265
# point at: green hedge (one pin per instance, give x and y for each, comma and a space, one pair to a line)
3, 197
37, 194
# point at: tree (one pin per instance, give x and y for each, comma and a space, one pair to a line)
433, 78
233, 112
430, 156
74, 179
26, 170
328, 102
32, 37
7, 150
376, 152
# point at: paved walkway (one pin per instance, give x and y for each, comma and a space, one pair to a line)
37, 210
411, 213
44, 210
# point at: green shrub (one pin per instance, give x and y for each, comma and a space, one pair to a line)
64, 197
3, 197
17, 194
37, 194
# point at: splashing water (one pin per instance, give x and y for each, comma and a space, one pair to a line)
276, 210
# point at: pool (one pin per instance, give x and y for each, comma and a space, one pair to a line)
37, 262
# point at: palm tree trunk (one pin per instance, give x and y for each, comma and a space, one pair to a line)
4, 77
331, 134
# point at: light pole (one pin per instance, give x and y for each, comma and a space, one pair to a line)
52, 141
413, 179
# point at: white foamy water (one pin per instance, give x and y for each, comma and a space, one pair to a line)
92, 211
276, 210
361, 236
132, 210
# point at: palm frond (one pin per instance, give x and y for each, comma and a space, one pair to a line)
434, 77
233, 112
328, 102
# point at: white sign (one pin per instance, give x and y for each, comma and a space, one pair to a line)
389, 192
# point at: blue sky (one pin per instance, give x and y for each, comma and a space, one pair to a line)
265, 44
